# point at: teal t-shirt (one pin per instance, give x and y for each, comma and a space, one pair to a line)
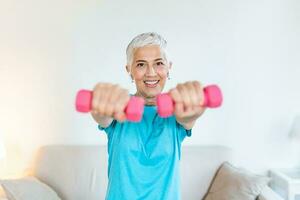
143, 158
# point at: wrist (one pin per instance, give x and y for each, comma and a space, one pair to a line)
187, 125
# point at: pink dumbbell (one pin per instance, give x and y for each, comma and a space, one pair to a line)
134, 109
212, 99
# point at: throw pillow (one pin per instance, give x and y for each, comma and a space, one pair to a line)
231, 183
27, 188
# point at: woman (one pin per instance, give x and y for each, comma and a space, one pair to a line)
144, 157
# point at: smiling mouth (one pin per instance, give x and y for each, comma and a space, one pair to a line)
151, 83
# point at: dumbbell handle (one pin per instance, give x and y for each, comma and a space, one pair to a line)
133, 110
213, 98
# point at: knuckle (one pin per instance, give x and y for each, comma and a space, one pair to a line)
179, 86
190, 85
187, 83
197, 84
97, 87
172, 92
107, 85
99, 84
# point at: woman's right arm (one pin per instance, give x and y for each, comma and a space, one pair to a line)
102, 120
109, 102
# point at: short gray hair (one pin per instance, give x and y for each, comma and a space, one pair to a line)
145, 39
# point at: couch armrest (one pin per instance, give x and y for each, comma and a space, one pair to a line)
268, 194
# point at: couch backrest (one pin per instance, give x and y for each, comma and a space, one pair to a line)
80, 172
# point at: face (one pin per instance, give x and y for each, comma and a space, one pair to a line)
149, 69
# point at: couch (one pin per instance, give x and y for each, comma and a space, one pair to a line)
77, 172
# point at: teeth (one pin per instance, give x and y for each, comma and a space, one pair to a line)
151, 82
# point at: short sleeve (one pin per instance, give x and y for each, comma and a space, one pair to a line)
108, 130
182, 132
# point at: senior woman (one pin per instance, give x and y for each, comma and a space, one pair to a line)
144, 157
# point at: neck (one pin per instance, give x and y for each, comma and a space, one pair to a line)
149, 101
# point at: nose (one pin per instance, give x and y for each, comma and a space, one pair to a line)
150, 70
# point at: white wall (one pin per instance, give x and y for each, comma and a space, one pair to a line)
50, 49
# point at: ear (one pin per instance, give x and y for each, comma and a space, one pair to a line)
127, 69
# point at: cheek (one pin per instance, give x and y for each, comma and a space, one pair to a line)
138, 76
162, 74
163, 78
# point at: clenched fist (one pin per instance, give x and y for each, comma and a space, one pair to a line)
109, 101
188, 98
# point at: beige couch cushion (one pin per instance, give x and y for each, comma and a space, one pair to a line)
27, 188
231, 183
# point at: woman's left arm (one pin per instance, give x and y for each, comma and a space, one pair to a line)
188, 98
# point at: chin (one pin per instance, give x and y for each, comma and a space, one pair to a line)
152, 93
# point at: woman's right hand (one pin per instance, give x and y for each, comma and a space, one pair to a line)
109, 101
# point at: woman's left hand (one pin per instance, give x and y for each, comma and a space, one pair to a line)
188, 98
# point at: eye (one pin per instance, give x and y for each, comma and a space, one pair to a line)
160, 63
140, 65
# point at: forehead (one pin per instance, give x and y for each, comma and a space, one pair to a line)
150, 52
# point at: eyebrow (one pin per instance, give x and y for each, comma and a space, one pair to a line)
157, 59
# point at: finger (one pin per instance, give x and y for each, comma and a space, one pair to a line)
179, 109
96, 98
121, 103
200, 92
184, 95
175, 95
120, 116
114, 93
104, 106
95, 101
192, 94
